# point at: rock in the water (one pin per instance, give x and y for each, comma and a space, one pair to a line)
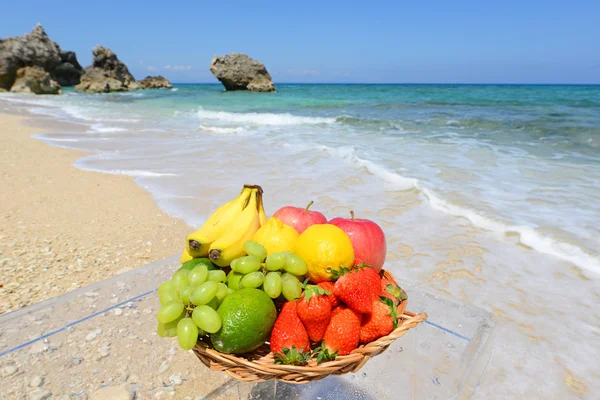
32, 49
34, 80
155, 82
68, 72
239, 72
106, 74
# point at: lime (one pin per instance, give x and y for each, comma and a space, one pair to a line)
247, 318
194, 262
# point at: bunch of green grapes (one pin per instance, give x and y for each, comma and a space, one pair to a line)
189, 302
278, 274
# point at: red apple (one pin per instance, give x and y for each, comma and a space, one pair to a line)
300, 218
368, 240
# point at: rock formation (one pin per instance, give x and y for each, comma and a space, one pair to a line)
154, 82
106, 74
68, 72
32, 49
34, 80
239, 72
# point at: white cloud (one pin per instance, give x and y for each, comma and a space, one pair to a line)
304, 72
151, 68
178, 67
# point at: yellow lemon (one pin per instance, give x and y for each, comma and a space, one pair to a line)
276, 236
324, 248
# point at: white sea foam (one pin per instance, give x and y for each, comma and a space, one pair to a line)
101, 128
527, 235
220, 130
262, 118
134, 172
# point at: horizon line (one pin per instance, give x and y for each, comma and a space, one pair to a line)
405, 83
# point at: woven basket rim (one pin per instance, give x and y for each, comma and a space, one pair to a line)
262, 367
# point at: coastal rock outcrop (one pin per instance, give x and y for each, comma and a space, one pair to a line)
35, 49
155, 82
68, 72
240, 72
106, 74
34, 80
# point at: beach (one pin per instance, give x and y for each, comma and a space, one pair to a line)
63, 228
471, 193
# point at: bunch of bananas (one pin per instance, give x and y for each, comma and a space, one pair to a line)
223, 235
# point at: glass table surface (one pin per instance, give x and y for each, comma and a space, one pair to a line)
100, 341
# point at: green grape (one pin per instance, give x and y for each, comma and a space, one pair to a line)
295, 265
180, 280
169, 329
222, 292
272, 285
169, 312
275, 261
218, 275
204, 293
198, 275
291, 287
233, 264
184, 271
233, 280
252, 280
245, 265
255, 249
168, 296
214, 303
164, 286
185, 294
187, 333
206, 319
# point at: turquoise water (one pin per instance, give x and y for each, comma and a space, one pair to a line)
511, 159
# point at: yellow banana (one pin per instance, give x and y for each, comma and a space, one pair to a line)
197, 244
185, 257
231, 246
261, 211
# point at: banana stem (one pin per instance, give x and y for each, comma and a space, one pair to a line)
194, 245
260, 190
214, 254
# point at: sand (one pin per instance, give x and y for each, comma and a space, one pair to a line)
62, 228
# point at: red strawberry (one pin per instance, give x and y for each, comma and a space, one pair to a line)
358, 288
314, 310
380, 322
342, 334
391, 290
327, 285
289, 340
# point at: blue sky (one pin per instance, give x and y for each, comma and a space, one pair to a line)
332, 41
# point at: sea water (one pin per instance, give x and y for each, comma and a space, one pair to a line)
487, 193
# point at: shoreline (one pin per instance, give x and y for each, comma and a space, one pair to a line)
63, 227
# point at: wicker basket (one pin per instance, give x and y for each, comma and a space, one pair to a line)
258, 365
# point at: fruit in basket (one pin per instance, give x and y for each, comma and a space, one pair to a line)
170, 312
295, 265
289, 340
195, 262
185, 257
342, 334
314, 310
358, 288
252, 280
255, 249
300, 218
328, 286
325, 248
206, 319
247, 317
391, 290
273, 284
276, 261
198, 275
245, 265
204, 293
231, 245
187, 333
275, 236
219, 224
233, 280
291, 288
380, 321
368, 240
